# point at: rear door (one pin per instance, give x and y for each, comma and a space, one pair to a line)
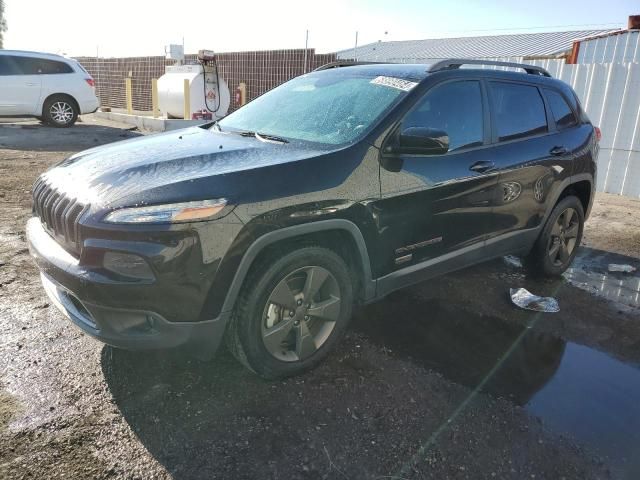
533, 159
20, 85
435, 205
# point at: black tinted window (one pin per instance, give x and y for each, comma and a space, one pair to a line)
518, 109
560, 109
28, 65
52, 66
455, 108
8, 65
15, 65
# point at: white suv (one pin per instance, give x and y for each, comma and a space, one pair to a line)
50, 87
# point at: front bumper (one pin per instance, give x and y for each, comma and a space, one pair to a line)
66, 282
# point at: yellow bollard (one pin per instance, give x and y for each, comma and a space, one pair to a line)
154, 97
129, 93
187, 100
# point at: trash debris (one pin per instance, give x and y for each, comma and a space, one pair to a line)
512, 261
528, 301
624, 268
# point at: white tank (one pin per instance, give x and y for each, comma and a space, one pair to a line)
171, 91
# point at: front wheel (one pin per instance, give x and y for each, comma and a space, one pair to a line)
558, 243
291, 312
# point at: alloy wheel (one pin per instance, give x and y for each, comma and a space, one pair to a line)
564, 236
301, 313
61, 112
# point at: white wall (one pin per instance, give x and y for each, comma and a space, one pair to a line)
622, 47
610, 94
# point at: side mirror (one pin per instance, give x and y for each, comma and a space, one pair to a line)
422, 140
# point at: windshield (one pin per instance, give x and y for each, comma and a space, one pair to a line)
326, 107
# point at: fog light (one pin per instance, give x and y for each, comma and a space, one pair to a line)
127, 265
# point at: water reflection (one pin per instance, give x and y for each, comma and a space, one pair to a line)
575, 390
589, 272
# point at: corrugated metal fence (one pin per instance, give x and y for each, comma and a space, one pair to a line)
610, 94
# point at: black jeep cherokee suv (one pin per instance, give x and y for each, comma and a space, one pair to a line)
334, 188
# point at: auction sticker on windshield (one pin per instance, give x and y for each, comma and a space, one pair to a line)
393, 82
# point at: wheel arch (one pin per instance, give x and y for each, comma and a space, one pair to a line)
342, 236
60, 94
581, 187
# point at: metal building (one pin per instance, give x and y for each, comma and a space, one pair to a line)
527, 45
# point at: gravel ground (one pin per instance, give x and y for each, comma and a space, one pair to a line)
71, 407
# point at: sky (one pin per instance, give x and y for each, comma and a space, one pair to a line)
144, 27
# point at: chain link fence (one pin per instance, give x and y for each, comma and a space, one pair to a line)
259, 70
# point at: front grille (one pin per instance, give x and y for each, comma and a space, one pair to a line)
59, 214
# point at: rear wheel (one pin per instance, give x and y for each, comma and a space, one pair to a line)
291, 312
60, 111
558, 243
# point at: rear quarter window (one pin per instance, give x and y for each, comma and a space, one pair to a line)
518, 110
562, 113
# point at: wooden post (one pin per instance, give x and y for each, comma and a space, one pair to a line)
243, 93
154, 97
187, 100
129, 92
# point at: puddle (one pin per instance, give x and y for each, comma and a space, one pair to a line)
596, 400
589, 272
576, 391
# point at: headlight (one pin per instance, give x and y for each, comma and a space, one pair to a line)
170, 213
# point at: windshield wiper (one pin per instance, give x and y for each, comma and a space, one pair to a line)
263, 137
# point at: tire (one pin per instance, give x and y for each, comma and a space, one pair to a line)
563, 233
60, 111
286, 338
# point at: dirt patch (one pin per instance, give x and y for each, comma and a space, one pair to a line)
9, 408
614, 225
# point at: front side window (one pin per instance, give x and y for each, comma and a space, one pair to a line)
518, 110
8, 65
456, 109
561, 111
331, 107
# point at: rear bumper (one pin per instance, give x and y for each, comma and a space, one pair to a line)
66, 282
89, 105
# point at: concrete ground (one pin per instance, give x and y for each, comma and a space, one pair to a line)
446, 379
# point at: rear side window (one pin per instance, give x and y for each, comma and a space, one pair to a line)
455, 108
28, 65
562, 113
518, 110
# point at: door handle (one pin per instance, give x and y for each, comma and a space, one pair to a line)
558, 150
482, 166
31, 84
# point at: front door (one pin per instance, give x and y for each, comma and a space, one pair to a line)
436, 207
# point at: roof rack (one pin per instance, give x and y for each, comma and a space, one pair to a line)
454, 63
344, 63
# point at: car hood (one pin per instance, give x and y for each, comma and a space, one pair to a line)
105, 175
